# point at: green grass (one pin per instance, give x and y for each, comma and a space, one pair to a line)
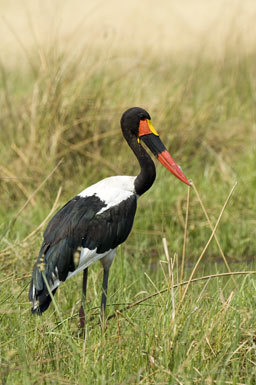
204, 110
212, 337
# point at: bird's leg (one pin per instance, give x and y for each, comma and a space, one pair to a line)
81, 311
104, 293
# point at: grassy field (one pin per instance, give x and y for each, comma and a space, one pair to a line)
59, 132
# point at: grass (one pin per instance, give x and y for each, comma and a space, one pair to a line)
63, 107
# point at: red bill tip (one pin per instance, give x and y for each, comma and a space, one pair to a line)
167, 161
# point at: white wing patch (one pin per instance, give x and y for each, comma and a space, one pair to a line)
111, 191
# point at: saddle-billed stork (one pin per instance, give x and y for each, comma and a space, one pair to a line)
92, 224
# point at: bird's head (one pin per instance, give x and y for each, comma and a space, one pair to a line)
136, 122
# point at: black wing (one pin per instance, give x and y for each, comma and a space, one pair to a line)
78, 225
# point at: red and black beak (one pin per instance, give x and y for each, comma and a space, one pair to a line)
150, 137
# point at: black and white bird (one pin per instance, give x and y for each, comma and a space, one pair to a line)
92, 224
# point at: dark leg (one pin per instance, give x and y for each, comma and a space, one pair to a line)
104, 292
81, 311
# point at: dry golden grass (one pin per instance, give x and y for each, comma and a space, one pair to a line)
127, 29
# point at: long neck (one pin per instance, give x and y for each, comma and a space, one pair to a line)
147, 174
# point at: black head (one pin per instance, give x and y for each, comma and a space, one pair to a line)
131, 119
136, 126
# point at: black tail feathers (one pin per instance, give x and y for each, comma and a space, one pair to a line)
41, 301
